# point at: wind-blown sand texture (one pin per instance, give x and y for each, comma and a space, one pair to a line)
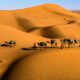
39, 23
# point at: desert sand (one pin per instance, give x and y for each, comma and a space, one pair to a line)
39, 23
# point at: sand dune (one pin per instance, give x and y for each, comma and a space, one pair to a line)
76, 11
48, 15
25, 24
49, 64
7, 18
59, 31
22, 38
48, 32
39, 23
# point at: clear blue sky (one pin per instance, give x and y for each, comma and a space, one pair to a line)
18, 4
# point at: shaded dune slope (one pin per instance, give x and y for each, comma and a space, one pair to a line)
26, 24
59, 31
48, 32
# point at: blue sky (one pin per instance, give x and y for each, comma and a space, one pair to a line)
18, 4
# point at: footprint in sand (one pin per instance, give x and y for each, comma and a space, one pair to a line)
1, 60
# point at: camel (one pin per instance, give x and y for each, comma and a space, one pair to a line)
42, 44
34, 46
11, 43
8, 44
69, 42
77, 42
52, 42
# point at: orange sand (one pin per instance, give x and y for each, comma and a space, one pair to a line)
39, 23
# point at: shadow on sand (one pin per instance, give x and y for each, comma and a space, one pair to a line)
39, 48
28, 48
9, 70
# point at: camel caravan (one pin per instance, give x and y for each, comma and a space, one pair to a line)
48, 44
8, 44
54, 44
69, 43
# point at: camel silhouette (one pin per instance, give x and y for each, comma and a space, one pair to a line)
8, 44
69, 42
42, 44
53, 43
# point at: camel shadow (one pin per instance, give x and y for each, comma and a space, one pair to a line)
40, 48
28, 48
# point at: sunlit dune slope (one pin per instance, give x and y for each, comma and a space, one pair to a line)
38, 16
49, 20
50, 64
45, 15
22, 38
56, 9
8, 18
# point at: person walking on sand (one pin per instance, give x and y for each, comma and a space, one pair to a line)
56, 44
62, 43
34, 46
